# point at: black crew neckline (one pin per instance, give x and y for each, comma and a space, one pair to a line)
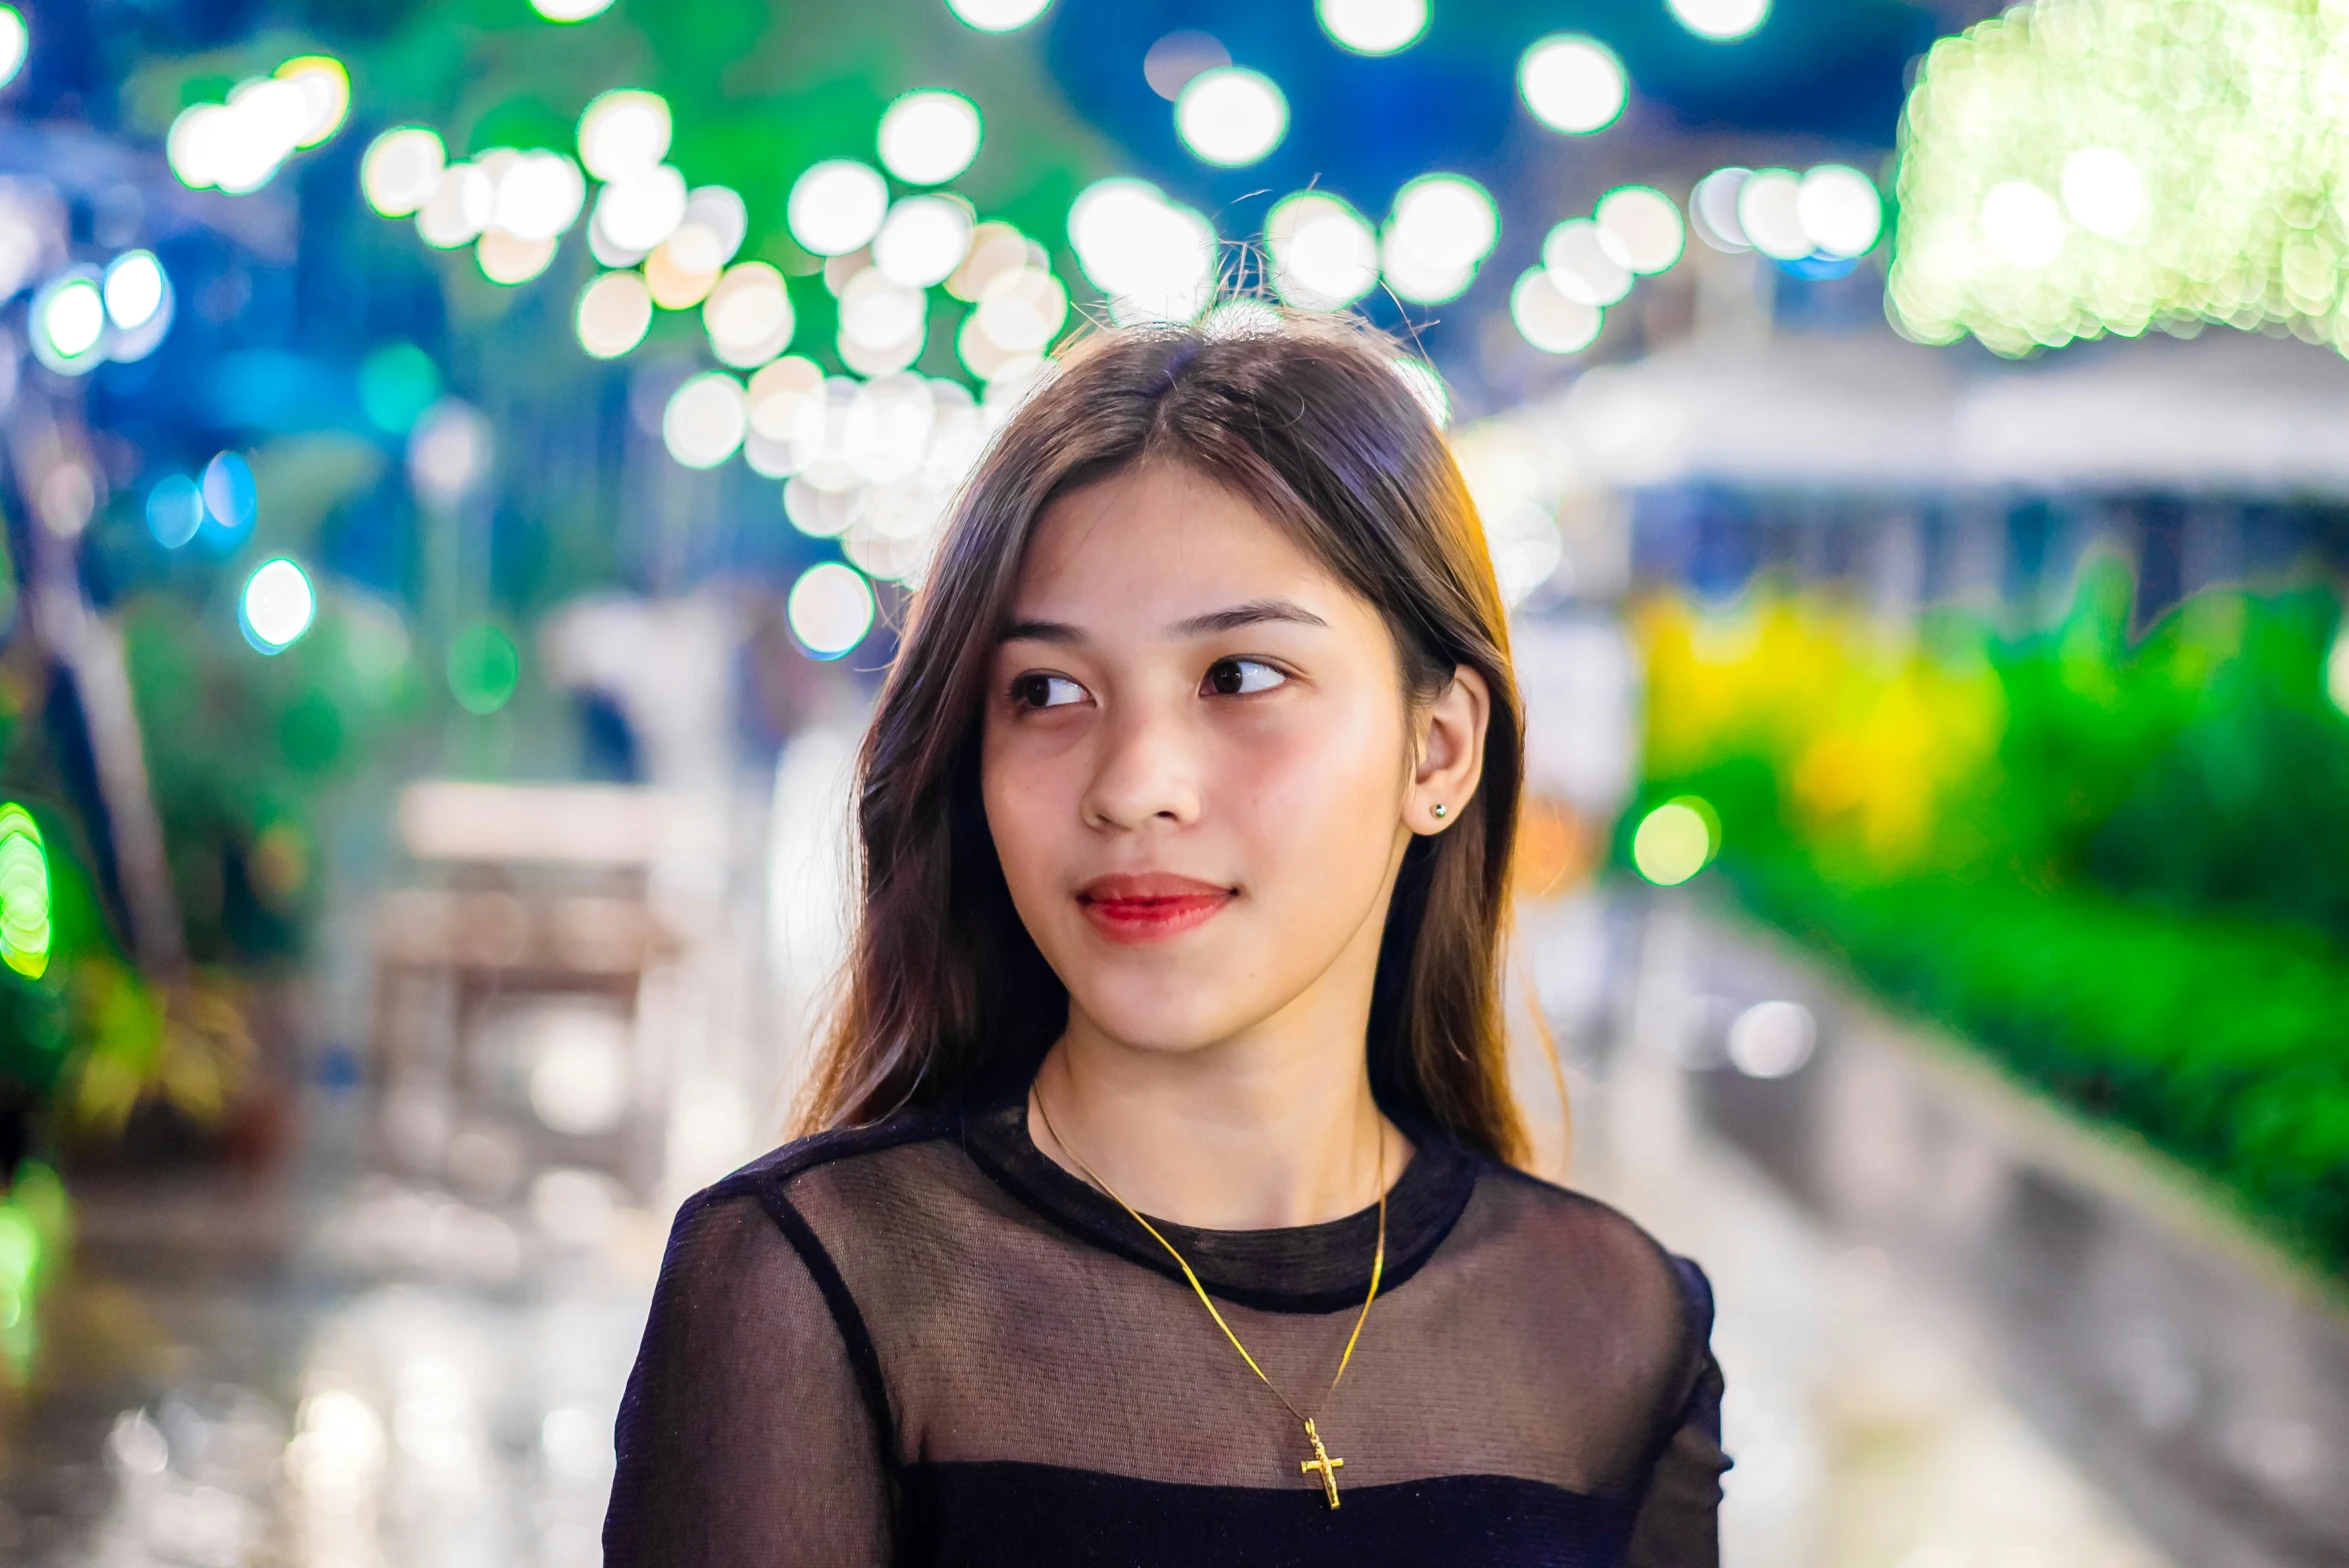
1303, 1268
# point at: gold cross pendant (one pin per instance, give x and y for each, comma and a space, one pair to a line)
1322, 1462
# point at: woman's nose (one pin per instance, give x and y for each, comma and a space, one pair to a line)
1145, 770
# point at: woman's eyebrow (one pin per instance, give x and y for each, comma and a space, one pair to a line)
1041, 631
1254, 613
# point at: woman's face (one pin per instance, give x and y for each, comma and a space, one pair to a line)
1199, 765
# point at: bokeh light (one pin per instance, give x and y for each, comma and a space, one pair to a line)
1154, 258
614, 312
277, 605
240, 145
830, 609
923, 240
1582, 266
996, 247
884, 325
929, 136
14, 41
997, 16
1177, 57
1573, 84
672, 285
787, 403
837, 206
397, 383
2337, 670
1021, 312
637, 210
2023, 224
1324, 253
175, 510
401, 170
68, 321
24, 893
1772, 1039
705, 420
748, 315
508, 259
1840, 210
134, 289
2113, 165
816, 511
231, 499
1640, 228
1550, 320
1373, 26
484, 668
1720, 20
326, 93
2104, 191
1673, 842
624, 131
450, 452
1712, 210
538, 196
1441, 229
570, 10
459, 207
1231, 116
711, 232
1769, 213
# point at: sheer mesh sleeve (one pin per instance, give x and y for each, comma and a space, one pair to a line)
1678, 1523
744, 1438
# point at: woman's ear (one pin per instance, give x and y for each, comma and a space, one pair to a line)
1451, 753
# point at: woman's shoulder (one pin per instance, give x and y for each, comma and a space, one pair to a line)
885, 1154
1571, 1236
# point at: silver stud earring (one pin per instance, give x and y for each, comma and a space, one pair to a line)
1438, 811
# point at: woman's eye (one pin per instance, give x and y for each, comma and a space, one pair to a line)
1241, 677
1046, 691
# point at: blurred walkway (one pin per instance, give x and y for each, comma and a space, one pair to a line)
1867, 1433
332, 1368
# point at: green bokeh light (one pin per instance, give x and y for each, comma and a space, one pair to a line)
1674, 841
483, 668
24, 894
2113, 165
397, 383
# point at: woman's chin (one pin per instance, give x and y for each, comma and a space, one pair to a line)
1164, 1023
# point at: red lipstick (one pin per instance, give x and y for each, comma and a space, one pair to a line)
1150, 906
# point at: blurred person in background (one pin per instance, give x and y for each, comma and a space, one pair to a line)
1186, 823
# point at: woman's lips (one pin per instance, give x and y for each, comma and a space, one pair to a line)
1150, 906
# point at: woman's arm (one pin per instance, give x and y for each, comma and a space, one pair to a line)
743, 1439
1679, 1518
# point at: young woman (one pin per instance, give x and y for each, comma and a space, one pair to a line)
1167, 1211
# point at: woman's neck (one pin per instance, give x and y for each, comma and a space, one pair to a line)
1274, 1128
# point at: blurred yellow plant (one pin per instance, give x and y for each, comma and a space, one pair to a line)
1872, 734
185, 1044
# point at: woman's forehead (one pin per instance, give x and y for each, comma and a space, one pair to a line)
1160, 544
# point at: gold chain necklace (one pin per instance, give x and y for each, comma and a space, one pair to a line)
1321, 1460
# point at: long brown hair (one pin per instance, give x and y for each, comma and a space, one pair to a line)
1309, 421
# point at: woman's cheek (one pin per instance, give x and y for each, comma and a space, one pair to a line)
1022, 804
1316, 793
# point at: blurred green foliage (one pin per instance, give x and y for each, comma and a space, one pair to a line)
2120, 864
239, 749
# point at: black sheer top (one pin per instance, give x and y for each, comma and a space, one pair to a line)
925, 1343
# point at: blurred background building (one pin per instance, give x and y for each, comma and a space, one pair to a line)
464, 460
